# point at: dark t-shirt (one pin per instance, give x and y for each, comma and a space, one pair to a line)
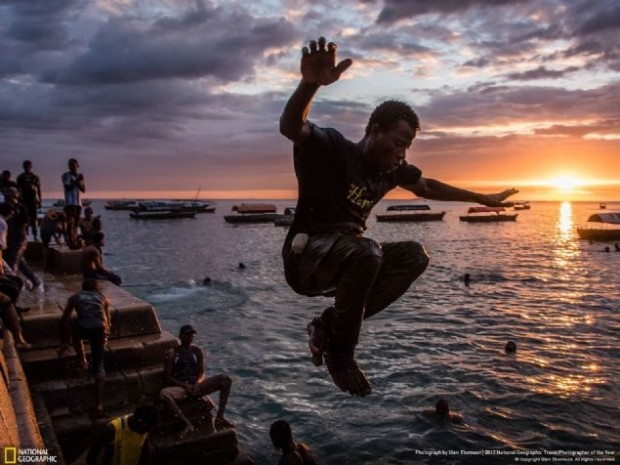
185, 365
28, 184
337, 189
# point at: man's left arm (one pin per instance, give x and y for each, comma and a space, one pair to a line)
436, 190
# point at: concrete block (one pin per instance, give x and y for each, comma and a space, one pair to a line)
63, 260
151, 380
139, 351
197, 447
134, 320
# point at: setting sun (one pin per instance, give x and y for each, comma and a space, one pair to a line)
566, 183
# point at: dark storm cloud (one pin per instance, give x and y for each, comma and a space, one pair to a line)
224, 44
395, 10
39, 23
485, 105
504, 31
541, 73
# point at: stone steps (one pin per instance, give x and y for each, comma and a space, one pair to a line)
134, 352
134, 373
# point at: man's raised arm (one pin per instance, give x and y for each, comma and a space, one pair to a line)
436, 190
318, 68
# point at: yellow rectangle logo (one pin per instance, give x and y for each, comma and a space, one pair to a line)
10, 455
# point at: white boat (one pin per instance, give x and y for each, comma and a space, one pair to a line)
601, 227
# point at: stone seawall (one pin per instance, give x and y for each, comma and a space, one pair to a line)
46, 402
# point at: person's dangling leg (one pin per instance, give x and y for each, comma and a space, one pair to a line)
403, 263
356, 278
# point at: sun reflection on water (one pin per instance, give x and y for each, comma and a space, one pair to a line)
566, 248
565, 220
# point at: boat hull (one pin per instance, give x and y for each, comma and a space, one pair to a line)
162, 215
599, 234
251, 218
488, 218
411, 217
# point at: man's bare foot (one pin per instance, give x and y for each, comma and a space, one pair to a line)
209, 404
317, 340
188, 430
347, 375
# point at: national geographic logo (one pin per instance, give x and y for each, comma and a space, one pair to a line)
13, 455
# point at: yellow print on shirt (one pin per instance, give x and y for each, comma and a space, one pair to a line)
356, 196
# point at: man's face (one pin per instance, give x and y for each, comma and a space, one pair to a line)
73, 165
187, 337
386, 150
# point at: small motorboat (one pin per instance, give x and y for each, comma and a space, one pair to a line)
253, 213
415, 216
414, 207
521, 206
601, 227
162, 214
287, 218
487, 215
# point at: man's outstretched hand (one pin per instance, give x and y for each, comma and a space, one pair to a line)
497, 200
318, 63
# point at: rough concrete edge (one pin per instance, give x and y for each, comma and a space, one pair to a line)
29, 434
46, 428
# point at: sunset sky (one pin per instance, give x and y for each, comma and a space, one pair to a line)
154, 96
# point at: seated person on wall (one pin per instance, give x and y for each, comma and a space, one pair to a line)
93, 324
89, 225
125, 439
184, 372
92, 261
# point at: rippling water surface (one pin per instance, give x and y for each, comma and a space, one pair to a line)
533, 282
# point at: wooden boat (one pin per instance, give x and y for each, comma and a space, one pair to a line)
120, 204
248, 208
287, 218
407, 208
487, 215
601, 227
253, 213
184, 205
198, 206
522, 206
162, 214
602, 206
411, 217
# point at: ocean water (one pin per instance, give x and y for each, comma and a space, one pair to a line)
532, 281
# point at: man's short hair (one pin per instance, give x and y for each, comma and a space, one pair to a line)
26, 163
6, 174
281, 434
73, 160
187, 329
389, 113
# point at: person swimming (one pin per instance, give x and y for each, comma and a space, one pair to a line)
511, 347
